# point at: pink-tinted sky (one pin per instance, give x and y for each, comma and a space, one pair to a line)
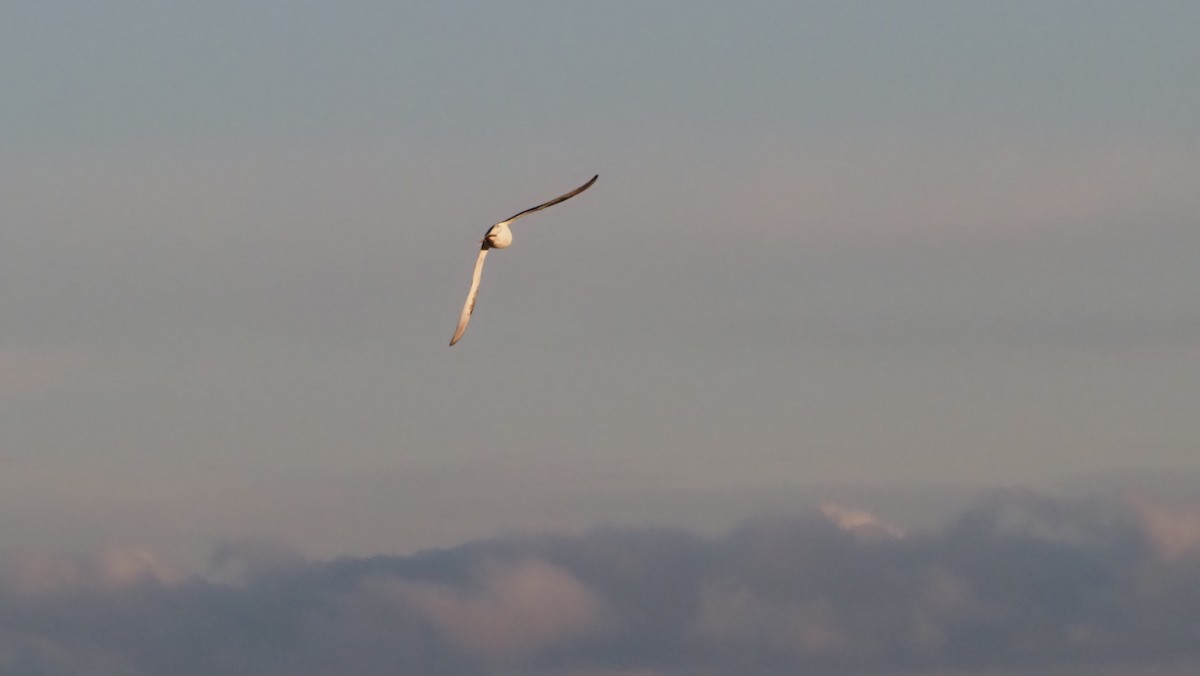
888, 255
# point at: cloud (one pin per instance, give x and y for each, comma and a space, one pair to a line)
518, 609
1175, 533
863, 524
1018, 584
114, 569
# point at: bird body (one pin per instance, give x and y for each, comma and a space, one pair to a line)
499, 236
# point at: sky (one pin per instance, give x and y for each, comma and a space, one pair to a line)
926, 263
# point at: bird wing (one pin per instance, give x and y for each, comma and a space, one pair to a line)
556, 200
469, 306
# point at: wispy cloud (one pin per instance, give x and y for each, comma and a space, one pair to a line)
1019, 584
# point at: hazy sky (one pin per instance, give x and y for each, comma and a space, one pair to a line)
893, 251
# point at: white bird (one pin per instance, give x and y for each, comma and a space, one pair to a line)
499, 237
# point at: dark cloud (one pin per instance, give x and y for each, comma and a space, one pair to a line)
1018, 584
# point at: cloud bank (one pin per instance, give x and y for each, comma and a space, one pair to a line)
1018, 584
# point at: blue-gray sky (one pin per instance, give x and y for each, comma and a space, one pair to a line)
893, 253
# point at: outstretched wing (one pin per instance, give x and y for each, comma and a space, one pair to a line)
469, 306
556, 200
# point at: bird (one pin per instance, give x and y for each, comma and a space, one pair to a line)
499, 236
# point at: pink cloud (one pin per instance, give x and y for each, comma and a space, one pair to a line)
521, 608
37, 575
863, 524
1174, 533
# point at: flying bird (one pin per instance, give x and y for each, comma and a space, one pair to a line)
499, 236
